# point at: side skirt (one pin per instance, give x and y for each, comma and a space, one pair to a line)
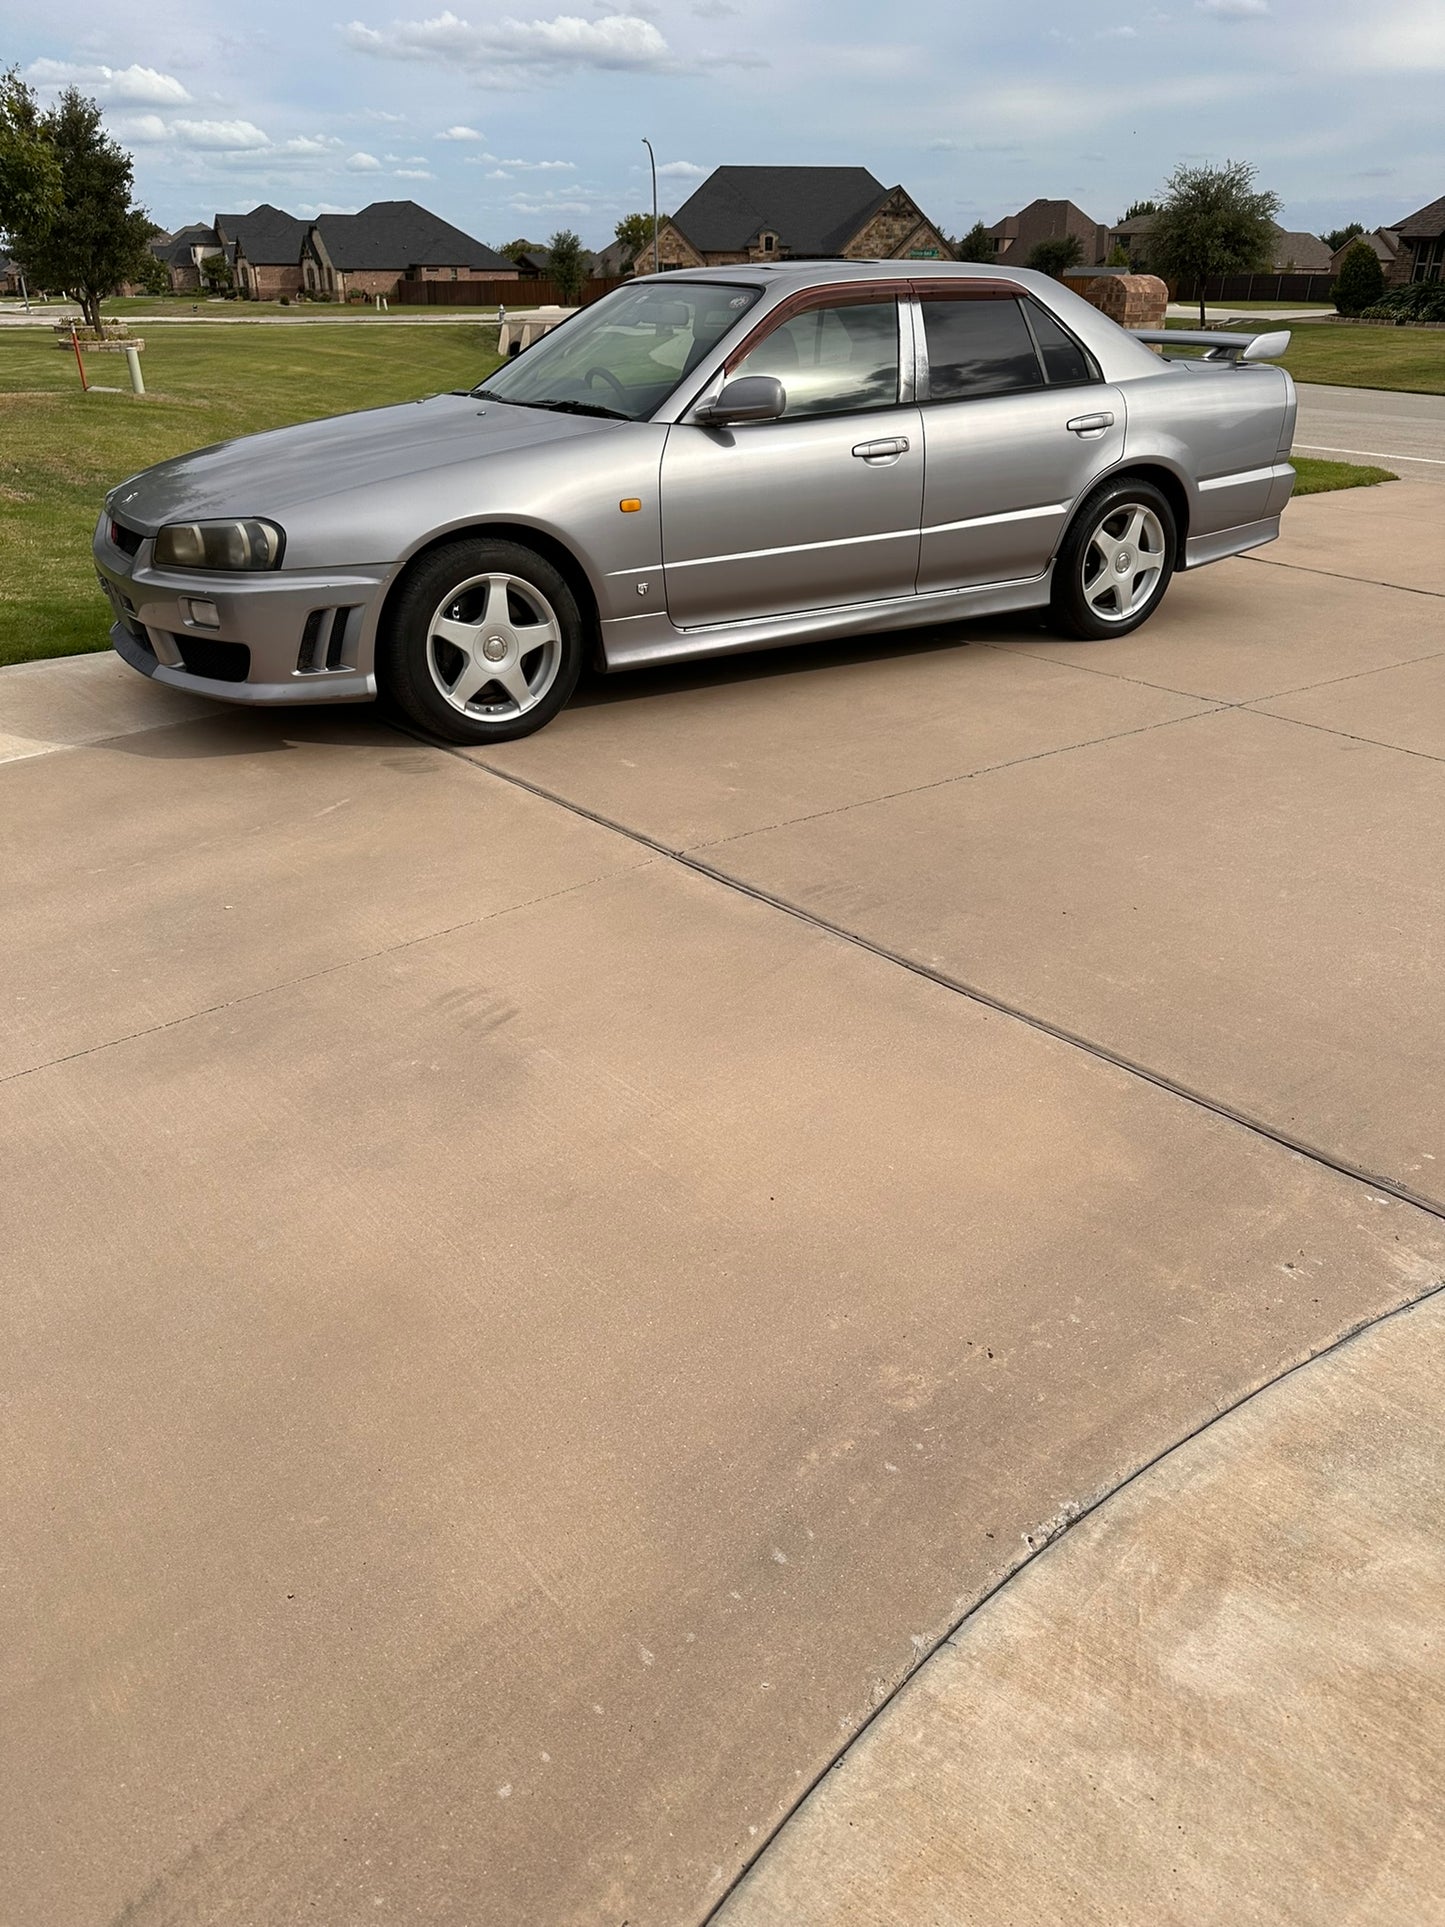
636, 642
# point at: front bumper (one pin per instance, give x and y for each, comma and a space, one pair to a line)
287, 637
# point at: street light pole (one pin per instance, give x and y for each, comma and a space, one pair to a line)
653, 158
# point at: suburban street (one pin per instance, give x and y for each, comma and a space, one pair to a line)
545, 1285
1402, 431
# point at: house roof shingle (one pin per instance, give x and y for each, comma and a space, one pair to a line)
1424, 224
812, 210
396, 235
176, 248
1307, 253
269, 238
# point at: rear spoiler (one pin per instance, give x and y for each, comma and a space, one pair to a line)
1234, 348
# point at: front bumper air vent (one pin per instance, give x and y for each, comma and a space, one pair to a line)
216, 661
325, 641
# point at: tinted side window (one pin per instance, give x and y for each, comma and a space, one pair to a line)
1064, 360
832, 361
978, 347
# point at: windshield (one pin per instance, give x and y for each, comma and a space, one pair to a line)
626, 353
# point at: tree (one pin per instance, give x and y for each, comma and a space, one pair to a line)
977, 245
1361, 280
88, 236
1118, 256
152, 276
568, 264
1056, 255
514, 250
1213, 221
29, 172
1337, 236
1135, 209
217, 273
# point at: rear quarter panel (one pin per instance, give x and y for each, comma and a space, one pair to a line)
1225, 431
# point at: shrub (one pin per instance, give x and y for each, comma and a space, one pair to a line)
1056, 255
285, 301
1361, 280
1419, 301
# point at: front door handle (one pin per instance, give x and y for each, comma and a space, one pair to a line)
888, 449
1091, 424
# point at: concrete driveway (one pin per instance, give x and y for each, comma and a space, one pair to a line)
541, 1286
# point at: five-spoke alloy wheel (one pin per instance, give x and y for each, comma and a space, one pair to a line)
1116, 561
483, 644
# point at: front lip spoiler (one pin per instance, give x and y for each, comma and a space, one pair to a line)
332, 688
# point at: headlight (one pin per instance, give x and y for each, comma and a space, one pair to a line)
219, 545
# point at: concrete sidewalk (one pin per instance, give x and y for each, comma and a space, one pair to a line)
520, 1340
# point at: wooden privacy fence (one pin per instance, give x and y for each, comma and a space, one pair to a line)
522, 293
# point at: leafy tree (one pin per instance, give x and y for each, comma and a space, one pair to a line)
90, 236
1361, 280
1135, 209
568, 264
29, 171
1056, 255
217, 273
1214, 221
1118, 256
152, 276
977, 245
514, 250
1337, 236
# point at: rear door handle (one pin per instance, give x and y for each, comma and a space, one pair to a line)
1091, 424
874, 451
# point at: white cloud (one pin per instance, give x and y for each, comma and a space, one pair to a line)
617, 41
304, 144
363, 164
143, 129
143, 86
461, 134
224, 135
414, 174
1234, 9
1398, 39
681, 171
308, 210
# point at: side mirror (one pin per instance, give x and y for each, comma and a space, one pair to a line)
751, 398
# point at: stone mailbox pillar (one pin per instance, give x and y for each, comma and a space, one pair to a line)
1133, 300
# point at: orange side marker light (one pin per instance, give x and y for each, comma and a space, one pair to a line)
629, 505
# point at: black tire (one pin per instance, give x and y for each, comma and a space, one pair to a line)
461, 583
1082, 579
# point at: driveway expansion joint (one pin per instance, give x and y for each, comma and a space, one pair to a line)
1092, 1047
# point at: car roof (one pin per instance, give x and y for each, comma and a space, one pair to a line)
792, 275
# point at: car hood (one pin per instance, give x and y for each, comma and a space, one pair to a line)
265, 474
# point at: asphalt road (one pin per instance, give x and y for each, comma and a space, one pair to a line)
538, 1286
1399, 431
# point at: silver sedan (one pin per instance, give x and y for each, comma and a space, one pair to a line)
697, 464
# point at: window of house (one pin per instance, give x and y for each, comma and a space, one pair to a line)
978, 347
770, 243
837, 360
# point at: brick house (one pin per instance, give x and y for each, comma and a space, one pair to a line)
795, 214
369, 252
264, 250
1421, 254
1017, 235
1296, 252
1384, 241
184, 254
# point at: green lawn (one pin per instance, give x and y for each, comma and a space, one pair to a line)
1318, 478
1360, 355
61, 450
185, 307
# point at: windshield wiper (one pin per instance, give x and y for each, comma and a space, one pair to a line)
557, 407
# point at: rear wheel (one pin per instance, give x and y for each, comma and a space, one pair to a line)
1115, 562
484, 643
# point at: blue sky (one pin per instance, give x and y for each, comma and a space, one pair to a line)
515, 117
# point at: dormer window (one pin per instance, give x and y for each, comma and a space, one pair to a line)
770, 244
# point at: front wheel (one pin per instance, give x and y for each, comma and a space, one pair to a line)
483, 644
1115, 562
